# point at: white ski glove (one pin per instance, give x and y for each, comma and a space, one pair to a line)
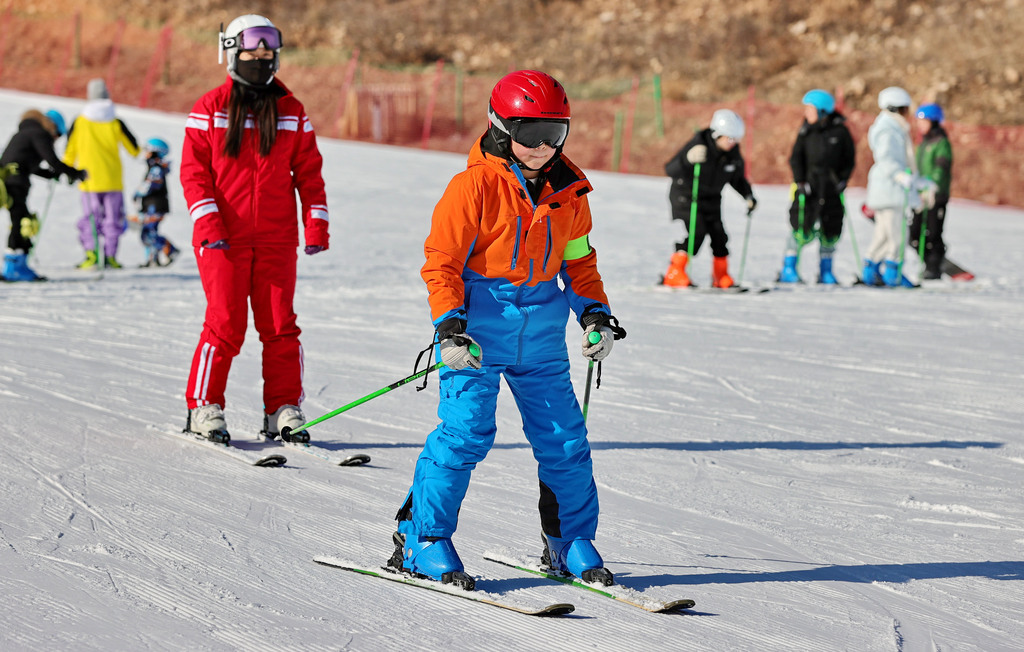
927, 189
697, 154
599, 350
600, 325
903, 179
456, 345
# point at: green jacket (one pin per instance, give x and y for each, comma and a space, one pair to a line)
935, 160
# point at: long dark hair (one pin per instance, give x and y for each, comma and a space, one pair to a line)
263, 106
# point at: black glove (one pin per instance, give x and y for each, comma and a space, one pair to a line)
456, 345
840, 187
76, 175
751, 205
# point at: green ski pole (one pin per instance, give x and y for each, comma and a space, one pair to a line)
42, 219
800, 238
473, 349
903, 236
693, 214
743, 257
593, 338
853, 239
921, 244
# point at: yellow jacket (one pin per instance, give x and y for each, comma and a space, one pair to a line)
93, 141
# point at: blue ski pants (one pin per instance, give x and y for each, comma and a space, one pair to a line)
553, 424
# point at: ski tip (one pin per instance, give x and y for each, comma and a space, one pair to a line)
677, 605
561, 609
271, 460
358, 459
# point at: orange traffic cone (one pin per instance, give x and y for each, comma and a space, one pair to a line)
676, 274
720, 273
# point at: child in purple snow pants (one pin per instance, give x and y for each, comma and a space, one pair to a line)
102, 221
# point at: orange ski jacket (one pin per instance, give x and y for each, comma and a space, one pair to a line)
493, 255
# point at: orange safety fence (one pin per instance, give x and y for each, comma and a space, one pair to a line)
620, 126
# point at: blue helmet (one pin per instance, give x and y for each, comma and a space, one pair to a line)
158, 147
821, 100
58, 121
931, 112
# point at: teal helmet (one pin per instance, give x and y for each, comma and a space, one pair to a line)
58, 121
821, 100
158, 147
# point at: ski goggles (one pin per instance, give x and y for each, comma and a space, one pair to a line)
254, 37
533, 133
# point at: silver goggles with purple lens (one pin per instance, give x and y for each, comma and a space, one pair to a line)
254, 37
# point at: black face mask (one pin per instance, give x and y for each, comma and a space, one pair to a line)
256, 72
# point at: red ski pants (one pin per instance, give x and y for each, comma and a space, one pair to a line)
265, 278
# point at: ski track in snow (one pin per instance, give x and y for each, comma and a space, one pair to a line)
820, 469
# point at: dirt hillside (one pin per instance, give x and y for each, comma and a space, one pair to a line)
708, 55
966, 55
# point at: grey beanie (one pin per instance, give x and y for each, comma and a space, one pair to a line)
97, 90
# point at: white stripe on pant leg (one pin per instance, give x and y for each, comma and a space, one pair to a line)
302, 375
202, 378
209, 370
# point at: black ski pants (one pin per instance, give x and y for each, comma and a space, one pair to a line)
933, 220
18, 194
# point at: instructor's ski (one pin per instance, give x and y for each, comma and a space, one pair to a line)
615, 592
493, 599
252, 457
327, 455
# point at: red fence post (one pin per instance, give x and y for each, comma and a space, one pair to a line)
162, 45
115, 54
350, 73
840, 99
751, 113
627, 137
58, 83
429, 117
5, 29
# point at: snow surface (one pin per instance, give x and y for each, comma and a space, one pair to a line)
819, 470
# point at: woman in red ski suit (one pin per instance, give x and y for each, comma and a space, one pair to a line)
249, 146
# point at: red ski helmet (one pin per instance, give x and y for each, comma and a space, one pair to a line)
530, 107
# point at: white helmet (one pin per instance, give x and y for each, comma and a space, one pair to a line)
893, 98
247, 33
727, 123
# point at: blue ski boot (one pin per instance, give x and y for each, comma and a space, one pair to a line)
430, 557
789, 273
871, 274
576, 557
825, 275
16, 268
893, 277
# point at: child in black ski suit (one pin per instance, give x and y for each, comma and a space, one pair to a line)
822, 161
27, 150
717, 151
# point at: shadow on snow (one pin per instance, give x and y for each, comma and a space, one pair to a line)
865, 574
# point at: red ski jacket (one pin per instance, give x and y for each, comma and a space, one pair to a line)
250, 200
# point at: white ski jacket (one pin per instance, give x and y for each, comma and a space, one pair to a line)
893, 149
